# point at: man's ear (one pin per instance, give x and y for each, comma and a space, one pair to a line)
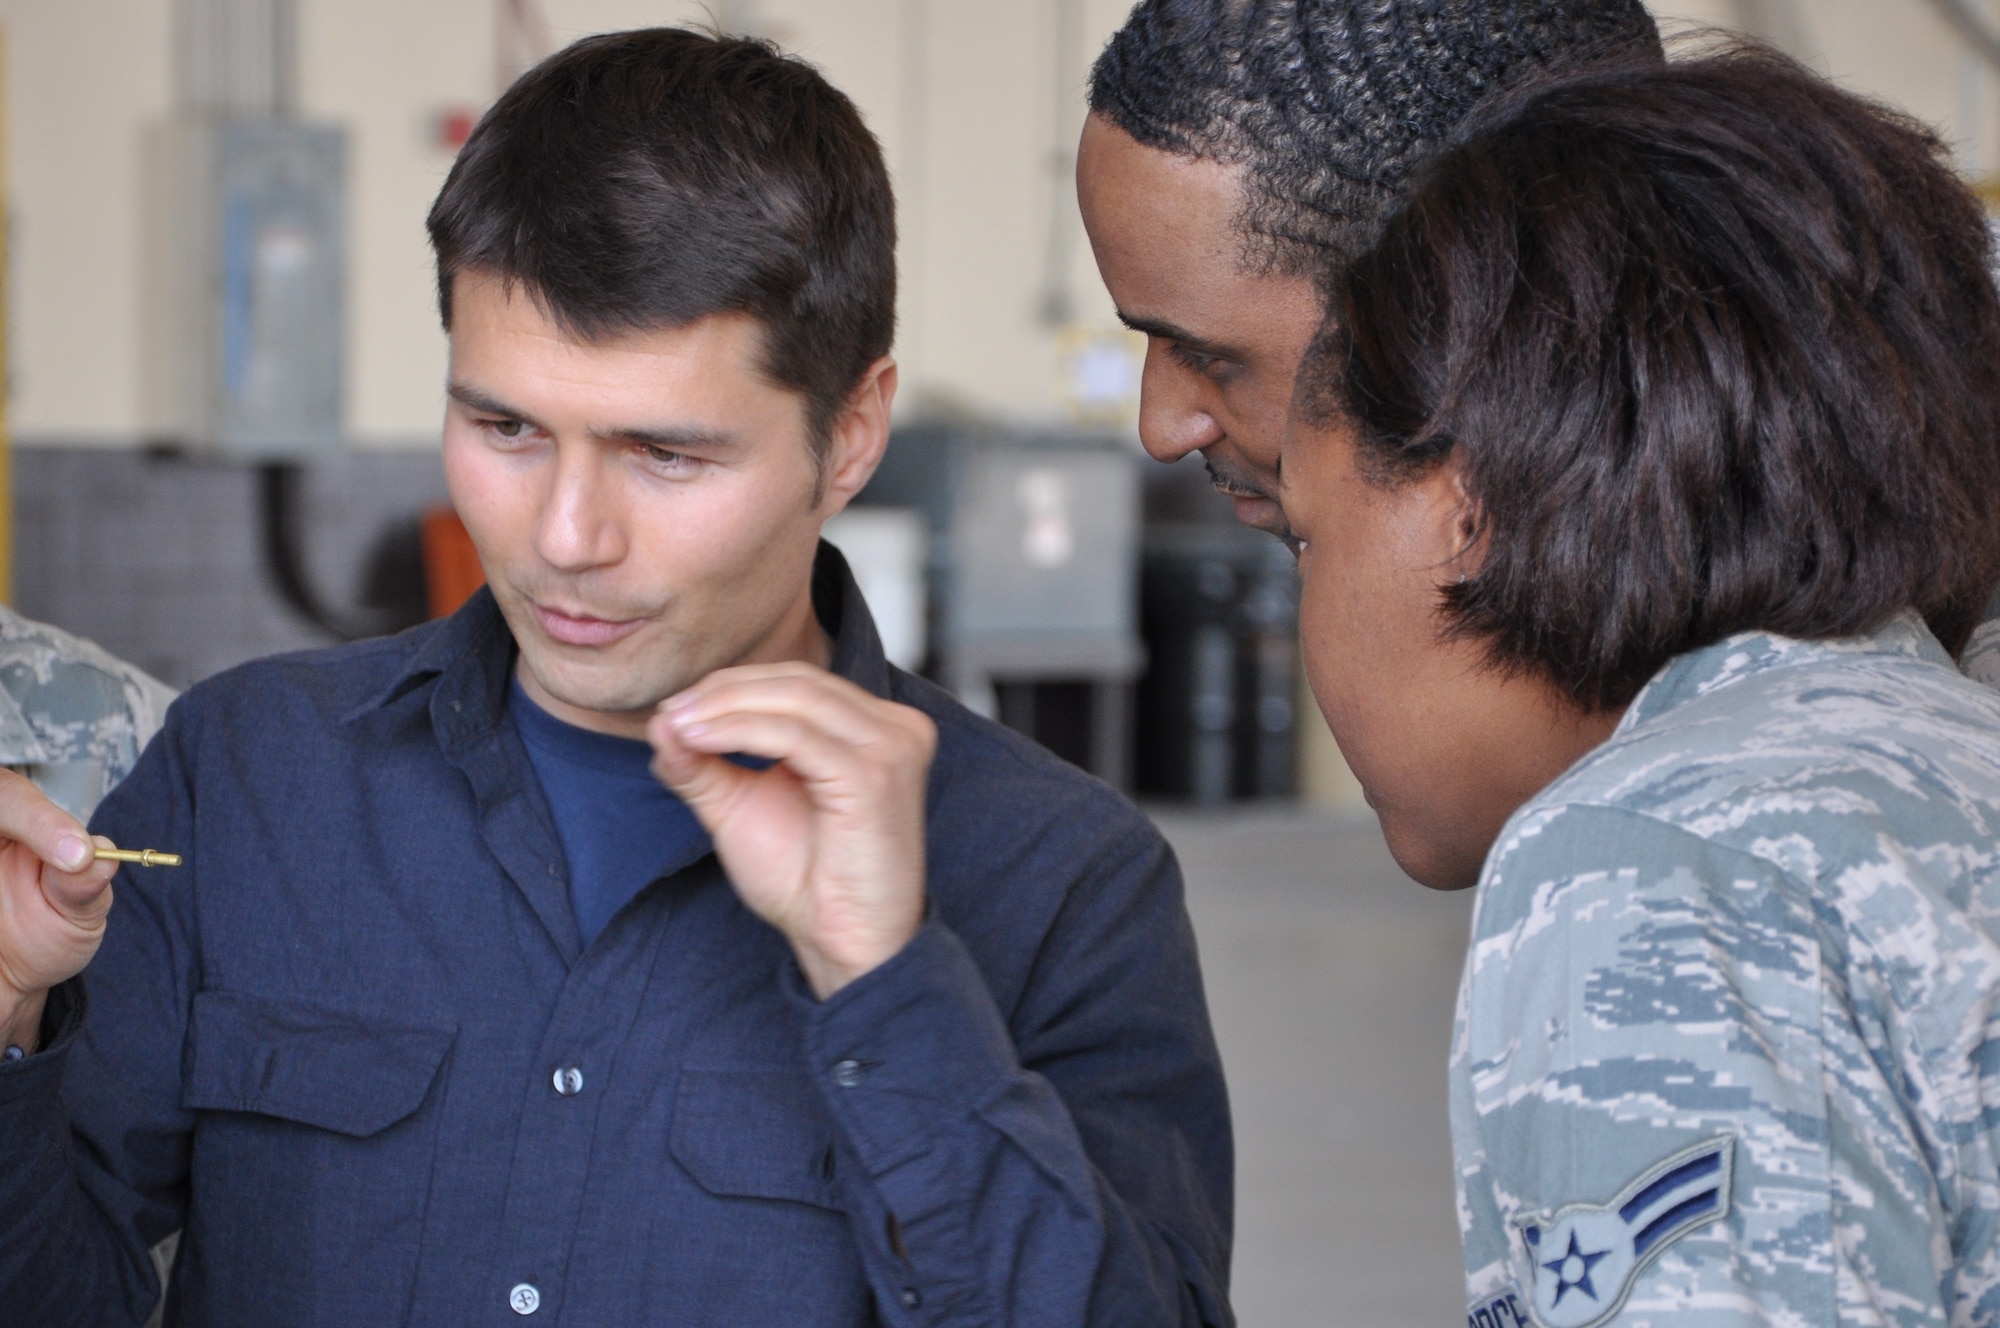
859, 437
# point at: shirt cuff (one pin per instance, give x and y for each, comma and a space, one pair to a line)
907, 1049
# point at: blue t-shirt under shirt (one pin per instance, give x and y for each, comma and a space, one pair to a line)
621, 829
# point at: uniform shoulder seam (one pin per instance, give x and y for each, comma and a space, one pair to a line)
1510, 840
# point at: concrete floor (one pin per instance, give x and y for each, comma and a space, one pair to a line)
1331, 977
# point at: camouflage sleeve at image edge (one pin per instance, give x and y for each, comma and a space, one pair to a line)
1669, 1102
1981, 660
73, 718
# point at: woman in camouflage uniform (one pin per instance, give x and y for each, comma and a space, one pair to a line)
1647, 482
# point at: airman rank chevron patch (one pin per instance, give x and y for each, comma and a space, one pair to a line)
1581, 1262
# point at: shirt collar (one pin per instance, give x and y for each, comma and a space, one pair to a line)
473, 651
843, 613
1747, 654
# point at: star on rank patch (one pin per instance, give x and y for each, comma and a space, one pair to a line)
1581, 1261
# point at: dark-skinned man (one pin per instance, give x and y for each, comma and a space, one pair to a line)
1236, 150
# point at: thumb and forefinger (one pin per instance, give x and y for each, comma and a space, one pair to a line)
59, 852
704, 781
83, 897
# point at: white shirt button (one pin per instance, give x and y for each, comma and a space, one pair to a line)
569, 1081
849, 1074
524, 1299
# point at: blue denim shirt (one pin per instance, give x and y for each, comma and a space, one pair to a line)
355, 1048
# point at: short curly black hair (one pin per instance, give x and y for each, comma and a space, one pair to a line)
1331, 104
1717, 349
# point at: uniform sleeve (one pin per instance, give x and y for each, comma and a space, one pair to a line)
147, 700
73, 718
1665, 1108
1982, 654
1064, 1163
93, 1139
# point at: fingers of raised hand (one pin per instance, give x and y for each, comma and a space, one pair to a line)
818, 754
673, 760
28, 818
799, 714
788, 688
703, 780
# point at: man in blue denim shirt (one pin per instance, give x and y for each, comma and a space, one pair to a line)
921, 1041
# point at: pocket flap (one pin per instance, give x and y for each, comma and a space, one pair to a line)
353, 1074
756, 1132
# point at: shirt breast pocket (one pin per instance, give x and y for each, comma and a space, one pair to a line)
312, 1158
754, 1132
773, 1242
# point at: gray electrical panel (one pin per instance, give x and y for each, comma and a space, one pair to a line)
250, 308
1034, 562
1044, 551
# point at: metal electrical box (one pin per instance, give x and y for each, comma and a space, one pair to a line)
1035, 548
1034, 565
250, 323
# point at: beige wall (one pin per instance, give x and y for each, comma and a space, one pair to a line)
962, 93
82, 77
1897, 50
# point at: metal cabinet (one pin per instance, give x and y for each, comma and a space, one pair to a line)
1216, 708
1034, 573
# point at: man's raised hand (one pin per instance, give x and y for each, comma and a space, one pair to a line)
827, 845
53, 901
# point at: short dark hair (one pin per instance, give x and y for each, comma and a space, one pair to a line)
648, 179
1718, 348
1328, 105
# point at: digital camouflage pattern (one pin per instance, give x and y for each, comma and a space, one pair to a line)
1728, 1037
72, 718
1982, 654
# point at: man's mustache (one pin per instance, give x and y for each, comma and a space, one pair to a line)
1232, 479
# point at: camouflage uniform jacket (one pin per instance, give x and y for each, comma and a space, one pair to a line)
1728, 1040
72, 718
1982, 654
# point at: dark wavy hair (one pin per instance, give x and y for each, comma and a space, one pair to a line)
1718, 348
648, 179
1330, 104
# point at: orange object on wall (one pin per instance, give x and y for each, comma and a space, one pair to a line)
451, 565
